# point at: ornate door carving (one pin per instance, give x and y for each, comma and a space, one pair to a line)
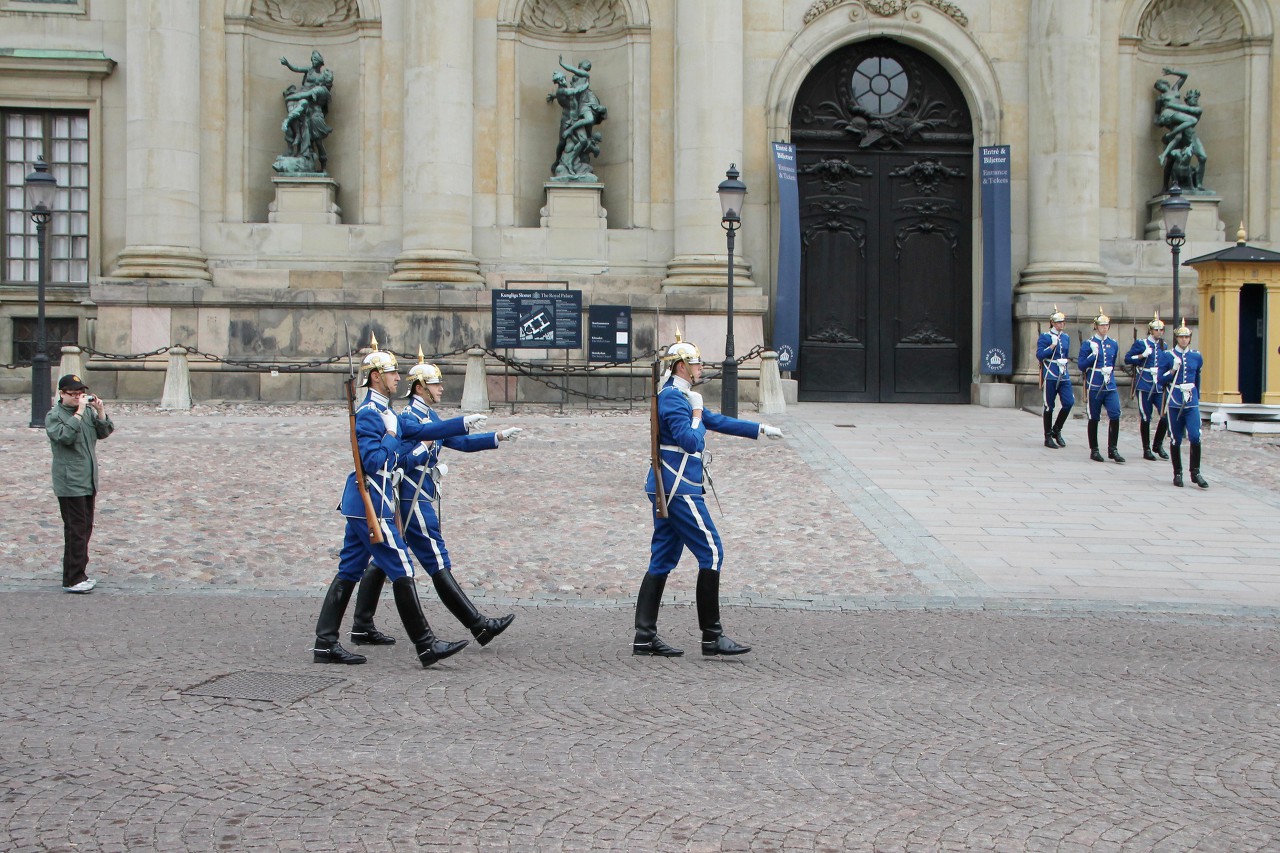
885, 162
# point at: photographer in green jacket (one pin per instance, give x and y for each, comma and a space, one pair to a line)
74, 426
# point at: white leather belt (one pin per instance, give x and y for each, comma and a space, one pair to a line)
674, 449
1186, 388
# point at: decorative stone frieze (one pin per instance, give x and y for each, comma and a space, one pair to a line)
886, 9
564, 17
305, 13
1183, 23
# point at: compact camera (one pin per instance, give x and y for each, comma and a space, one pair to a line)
89, 398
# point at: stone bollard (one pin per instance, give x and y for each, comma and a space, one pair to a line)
177, 382
72, 362
772, 401
475, 389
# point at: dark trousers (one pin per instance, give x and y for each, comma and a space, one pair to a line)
77, 527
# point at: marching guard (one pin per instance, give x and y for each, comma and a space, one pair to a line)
419, 494
680, 516
1180, 376
1098, 357
1053, 350
369, 505
1144, 355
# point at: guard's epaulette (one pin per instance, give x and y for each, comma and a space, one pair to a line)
368, 404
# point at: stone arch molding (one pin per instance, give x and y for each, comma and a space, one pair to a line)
928, 28
1214, 21
305, 13
566, 17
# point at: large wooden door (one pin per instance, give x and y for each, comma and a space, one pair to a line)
885, 162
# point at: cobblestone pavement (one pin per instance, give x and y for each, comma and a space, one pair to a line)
901, 696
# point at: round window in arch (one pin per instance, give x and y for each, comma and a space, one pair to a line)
879, 85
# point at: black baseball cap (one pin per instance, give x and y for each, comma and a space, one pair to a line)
71, 382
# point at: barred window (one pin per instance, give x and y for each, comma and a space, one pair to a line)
63, 139
59, 332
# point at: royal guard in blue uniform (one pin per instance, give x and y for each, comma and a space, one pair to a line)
419, 497
1098, 358
1053, 350
1144, 355
1180, 377
379, 438
682, 425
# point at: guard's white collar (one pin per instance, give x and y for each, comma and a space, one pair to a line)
681, 383
378, 398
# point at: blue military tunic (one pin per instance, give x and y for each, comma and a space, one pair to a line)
1180, 377
418, 490
1054, 354
681, 445
380, 451
1097, 361
1144, 355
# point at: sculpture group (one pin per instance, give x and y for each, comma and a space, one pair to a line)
304, 124
1183, 157
581, 111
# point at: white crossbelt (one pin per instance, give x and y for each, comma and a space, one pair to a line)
674, 449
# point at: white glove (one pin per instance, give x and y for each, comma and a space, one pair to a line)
695, 399
1146, 350
391, 422
510, 434
440, 470
1177, 362
770, 431
474, 422
1093, 345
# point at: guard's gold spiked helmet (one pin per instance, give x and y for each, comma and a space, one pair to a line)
1102, 319
1182, 331
1156, 324
382, 362
682, 350
1057, 316
424, 373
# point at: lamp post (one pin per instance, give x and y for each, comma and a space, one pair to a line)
1175, 209
40, 188
731, 191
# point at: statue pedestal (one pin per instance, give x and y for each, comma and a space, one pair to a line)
576, 223
1203, 225
303, 200
573, 205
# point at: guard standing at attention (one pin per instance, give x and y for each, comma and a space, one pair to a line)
419, 493
1053, 350
683, 422
1180, 375
1144, 355
1098, 357
379, 438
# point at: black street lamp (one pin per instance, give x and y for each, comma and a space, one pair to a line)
1175, 209
40, 188
731, 191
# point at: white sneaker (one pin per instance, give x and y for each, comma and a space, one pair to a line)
82, 587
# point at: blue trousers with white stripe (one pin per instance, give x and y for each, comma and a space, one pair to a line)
688, 525
422, 533
392, 555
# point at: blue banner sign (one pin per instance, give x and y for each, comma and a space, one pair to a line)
997, 264
537, 319
786, 306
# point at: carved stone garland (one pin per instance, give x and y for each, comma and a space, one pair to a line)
887, 9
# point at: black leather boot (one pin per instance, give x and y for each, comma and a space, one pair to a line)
327, 649
714, 642
363, 632
1162, 429
1146, 442
1113, 440
647, 604
1094, 453
484, 630
1195, 467
1176, 451
1059, 424
429, 648
1048, 430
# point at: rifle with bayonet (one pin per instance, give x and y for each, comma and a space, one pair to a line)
655, 452
370, 516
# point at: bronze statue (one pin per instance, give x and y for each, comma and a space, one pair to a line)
304, 126
1184, 158
581, 111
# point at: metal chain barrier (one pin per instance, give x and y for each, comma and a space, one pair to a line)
523, 368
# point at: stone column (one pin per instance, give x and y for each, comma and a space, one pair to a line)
708, 138
162, 164
1064, 120
438, 144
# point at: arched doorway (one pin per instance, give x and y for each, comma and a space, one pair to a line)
884, 146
